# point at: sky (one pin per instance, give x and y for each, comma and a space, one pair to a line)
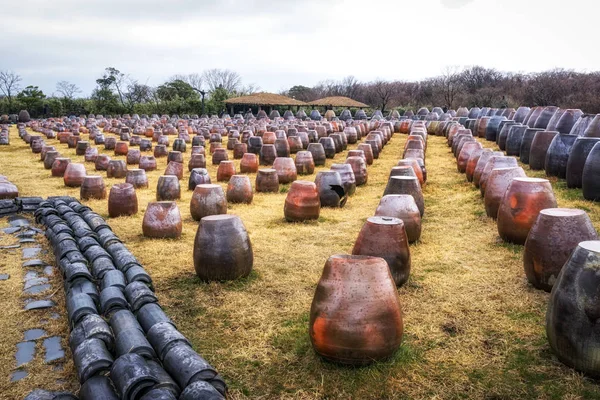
276, 44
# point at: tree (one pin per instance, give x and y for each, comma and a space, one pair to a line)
176, 89
32, 99
302, 93
228, 80
195, 80
380, 93
68, 90
113, 78
9, 84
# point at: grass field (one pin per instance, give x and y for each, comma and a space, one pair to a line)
474, 328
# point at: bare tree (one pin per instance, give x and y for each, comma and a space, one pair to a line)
195, 80
380, 93
224, 78
67, 89
451, 85
349, 87
9, 84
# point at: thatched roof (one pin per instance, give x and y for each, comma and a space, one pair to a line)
338, 101
265, 99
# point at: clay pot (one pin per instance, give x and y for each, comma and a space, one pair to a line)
168, 188
45, 150
463, 157
175, 169
49, 159
367, 151
525, 150
239, 150
255, 144
91, 153
286, 169
566, 122
295, 144
493, 163
8, 190
197, 161
473, 161
328, 146
81, 147
133, 157
225, 171
402, 171
304, 163
347, 175
504, 132
101, 163
222, 249
539, 149
324, 180
267, 181
160, 150
572, 319
162, 220
269, 138
545, 116
71, 141
577, 158
406, 185
207, 199
147, 163
122, 200
589, 179
137, 177
520, 206
514, 141
198, 176
92, 187
145, 145
198, 150
337, 141
214, 146
249, 163
402, 206
116, 169
483, 160
359, 169
302, 202
282, 148
121, 148
318, 153
551, 241
355, 317
179, 145
74, 174
268, 154
59, 166
496, 186
175, 156
557, 155
239, 190
219, 155
593, 127
414, 164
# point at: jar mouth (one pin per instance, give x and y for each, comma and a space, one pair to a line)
591, 245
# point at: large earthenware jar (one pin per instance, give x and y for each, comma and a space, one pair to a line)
225, 171
81, 147
557, 155
239, 190
137, 177
327, 182
355, 317
239, 150
402, 171
267, 181
175, 156
514, 140
577, 158
318, 153
496, 186
249, 163
197, 161
174, 169
59, 166
472, 162
302, 202
545, 116
483, 160
116, 169
402, 206
414, 164
552, 239
328, 146
591, 171
74, 174
101, 163
255, 143
539, 149
198, 176
50, 157
286, 169
92, 187
133, 156
91, 153
347, 175
504, 132
122, 200
593, 127
406, 185
160, 150
567, 121
168, 188
521, 205
386, 237
573, 317
162, 220
121, 148
359, 169
493, 163
525, 150
219, 155
207, 199
463, 157
268, 154
147, 163
222, 249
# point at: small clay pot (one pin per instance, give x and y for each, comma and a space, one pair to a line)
520, 206
162, 220
179, 145
385, 237
496, 186
327, 195
207, 199
545, 254
483, 160
239, 150
198, 176
557, 155
239, 190
101, 163
137, 177
174, 168
81, 147
305, 164
147, 163
328, 146
355, 316
160, 150
92, 187
572, 319
295, 144
168, 188
359, 169
302, 202
414, 164
74, 174
255, 143
368, 152
539, 149
282, 148
402, 206
493, 163
249, 163
133, 157
91, 153
318, 153
347, 175
286, 169
268, 154
49, 158
116, 169
589, 179
406, 185
121, 148
267, 181
225, 171
122, 200
175, 156
473, 161
59, 166
219, 155
577, 158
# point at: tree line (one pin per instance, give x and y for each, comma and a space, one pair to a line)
118, 93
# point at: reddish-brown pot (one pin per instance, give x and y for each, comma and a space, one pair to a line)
214, 146
269, 138
49, 159
368, 151
521, 205
197, 161
552, 239
466, 152
122, 200
46, 149
355, 317
133, 156
493, 163
225, 171
406, 185
472, 163
162, 220
59, 166
305, 164
239, 190
176, 156
137, 177
239, 150
496, 186
219, 155
267, 181
359, 168
483, 160
302, 202
101, 163
74, 174
286, 169
116, 169
92, 187
207, 199
249, 163
175, 169
404, 207
168, 188
414, 164
148, 163
268, 154
121, 148
160, 150
81, 147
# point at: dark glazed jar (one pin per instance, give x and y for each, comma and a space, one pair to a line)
198, 176
122, 200
557, 155
267, 181
219, 155
168, 188
577, 158
59, 166
539, 149
74, 174
162, 220
147, 163
318, 153
92, 187
137, 177
268, 154
133, 156
197, 161
116, 169
591, 171
324, 181
406, 185
347, 175
207, 199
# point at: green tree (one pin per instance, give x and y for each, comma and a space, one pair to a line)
176, 89
32, 99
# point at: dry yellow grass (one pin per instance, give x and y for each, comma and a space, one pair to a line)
473, 327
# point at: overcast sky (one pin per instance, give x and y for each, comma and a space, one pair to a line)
276, 44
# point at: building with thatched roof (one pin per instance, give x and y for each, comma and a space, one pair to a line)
260, 100
338, 101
